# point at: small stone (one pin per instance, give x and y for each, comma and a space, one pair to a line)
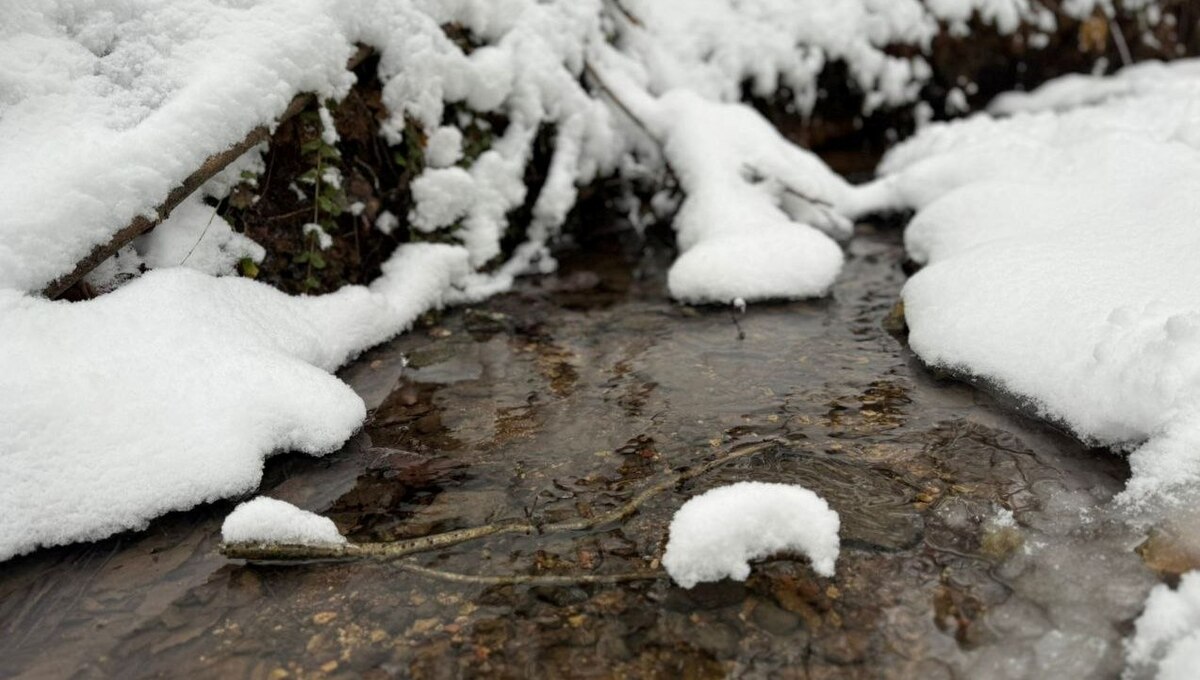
322, 618
329, 666
422, 626
1166, 552
1000, 541
895, 323
774, 620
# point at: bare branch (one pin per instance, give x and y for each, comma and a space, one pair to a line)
261, 552
530, 579
214, 164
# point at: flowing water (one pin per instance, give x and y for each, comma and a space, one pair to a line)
975, 542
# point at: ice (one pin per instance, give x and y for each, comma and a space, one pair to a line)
271, 521
716, 534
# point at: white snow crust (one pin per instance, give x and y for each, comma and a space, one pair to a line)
718, 533
271, 521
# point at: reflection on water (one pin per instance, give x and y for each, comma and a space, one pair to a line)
563, 399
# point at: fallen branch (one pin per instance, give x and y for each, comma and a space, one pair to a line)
264, 552
207, 170
529, 579
598, 79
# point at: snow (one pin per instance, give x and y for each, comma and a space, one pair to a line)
324, 239
267, 520
746, 225
197, 237
1057, 245
148, 90
109, 108
171, 390
1166, 641
716, 534
444, 147
387, 222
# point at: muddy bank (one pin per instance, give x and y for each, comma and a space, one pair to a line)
562, 400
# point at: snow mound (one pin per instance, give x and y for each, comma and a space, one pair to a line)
170, 391
1166, 641
1059, 250
267, 520
716, 534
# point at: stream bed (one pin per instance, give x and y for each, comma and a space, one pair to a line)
975, 542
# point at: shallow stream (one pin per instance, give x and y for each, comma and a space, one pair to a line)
565, 398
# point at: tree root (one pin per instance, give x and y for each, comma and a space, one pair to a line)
261, 552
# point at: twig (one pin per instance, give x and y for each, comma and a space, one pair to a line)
210, 167
595, 76
262, 552
789, 189
203, 233
629, 16
1119, 38
529, 579
733, 314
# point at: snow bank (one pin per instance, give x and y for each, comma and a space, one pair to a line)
1166, 643
1060, 260
111, 105
716, 534
171, 390
266, 520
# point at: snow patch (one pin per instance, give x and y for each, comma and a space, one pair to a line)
199, 379
716, 534
267, 520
